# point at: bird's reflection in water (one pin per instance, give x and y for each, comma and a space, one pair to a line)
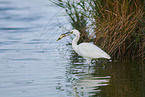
89, 85
84, 80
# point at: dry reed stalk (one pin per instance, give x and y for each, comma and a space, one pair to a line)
118, 25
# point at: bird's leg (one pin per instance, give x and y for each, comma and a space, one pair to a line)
103, 65
88, 61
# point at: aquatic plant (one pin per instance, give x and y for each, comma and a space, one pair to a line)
117, 26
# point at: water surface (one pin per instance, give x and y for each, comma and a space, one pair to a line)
33, 64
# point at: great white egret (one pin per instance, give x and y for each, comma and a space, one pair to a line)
87, 50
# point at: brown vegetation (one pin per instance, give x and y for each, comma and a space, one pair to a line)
116, 26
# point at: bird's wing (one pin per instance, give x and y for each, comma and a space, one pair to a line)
89, 50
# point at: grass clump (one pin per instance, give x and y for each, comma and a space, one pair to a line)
116, 26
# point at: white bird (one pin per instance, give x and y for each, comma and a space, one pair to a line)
87, 50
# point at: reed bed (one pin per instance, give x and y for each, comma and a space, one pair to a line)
116, 26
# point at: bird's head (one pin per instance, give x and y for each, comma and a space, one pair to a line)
76, 32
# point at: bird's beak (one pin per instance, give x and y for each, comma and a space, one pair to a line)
63, 35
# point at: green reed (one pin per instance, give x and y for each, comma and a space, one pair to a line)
116, 26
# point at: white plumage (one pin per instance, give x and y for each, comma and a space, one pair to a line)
87, 50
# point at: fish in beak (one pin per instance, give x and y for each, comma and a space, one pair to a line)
63, 35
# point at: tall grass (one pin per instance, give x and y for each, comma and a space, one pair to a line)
117, 26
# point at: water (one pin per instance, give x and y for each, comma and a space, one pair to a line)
33, 64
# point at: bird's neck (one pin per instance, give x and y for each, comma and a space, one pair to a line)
74, 43
75, 40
